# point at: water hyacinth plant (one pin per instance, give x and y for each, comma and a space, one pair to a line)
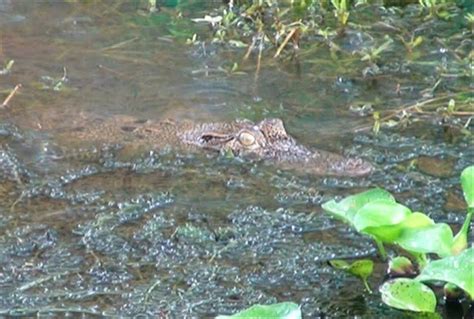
376, 213
283, 310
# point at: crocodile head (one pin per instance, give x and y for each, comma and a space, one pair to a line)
269, 141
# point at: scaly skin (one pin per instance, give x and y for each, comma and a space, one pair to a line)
266, 140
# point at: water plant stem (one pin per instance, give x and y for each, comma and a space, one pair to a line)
366, 284
467, 222
421, 260
381, 248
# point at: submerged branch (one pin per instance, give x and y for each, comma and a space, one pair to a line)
10, 96
119, 44
285, 42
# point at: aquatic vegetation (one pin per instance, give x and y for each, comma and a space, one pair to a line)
470, 18
408, 294
341, 11
8, 67
414, 295
360, 268
284, 310
292, 32
374, 54
467, 182
412, 43
55, 84
400, 266
377, 214
456, 270
436, 8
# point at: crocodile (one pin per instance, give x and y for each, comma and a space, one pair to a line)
266, 140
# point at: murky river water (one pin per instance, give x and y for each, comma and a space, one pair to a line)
170, 234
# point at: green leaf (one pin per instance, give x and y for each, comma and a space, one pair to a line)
408, 294
348, 207
401, 266
378, 213
457, 270
418, 40
384, 46
339, 264
436, 238
467, 182
390, 233
460, 240
417, 220
283, 310
360, 268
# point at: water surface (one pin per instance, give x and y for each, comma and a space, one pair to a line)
171, 234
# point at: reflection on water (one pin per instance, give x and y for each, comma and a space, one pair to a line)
163, 233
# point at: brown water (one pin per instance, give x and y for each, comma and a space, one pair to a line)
166, 234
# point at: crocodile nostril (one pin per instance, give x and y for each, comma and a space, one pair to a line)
128, 128
79, 129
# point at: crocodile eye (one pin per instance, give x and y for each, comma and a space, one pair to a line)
246, 139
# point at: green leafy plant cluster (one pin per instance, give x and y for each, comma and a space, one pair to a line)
341, 11
437, 8
376, 213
